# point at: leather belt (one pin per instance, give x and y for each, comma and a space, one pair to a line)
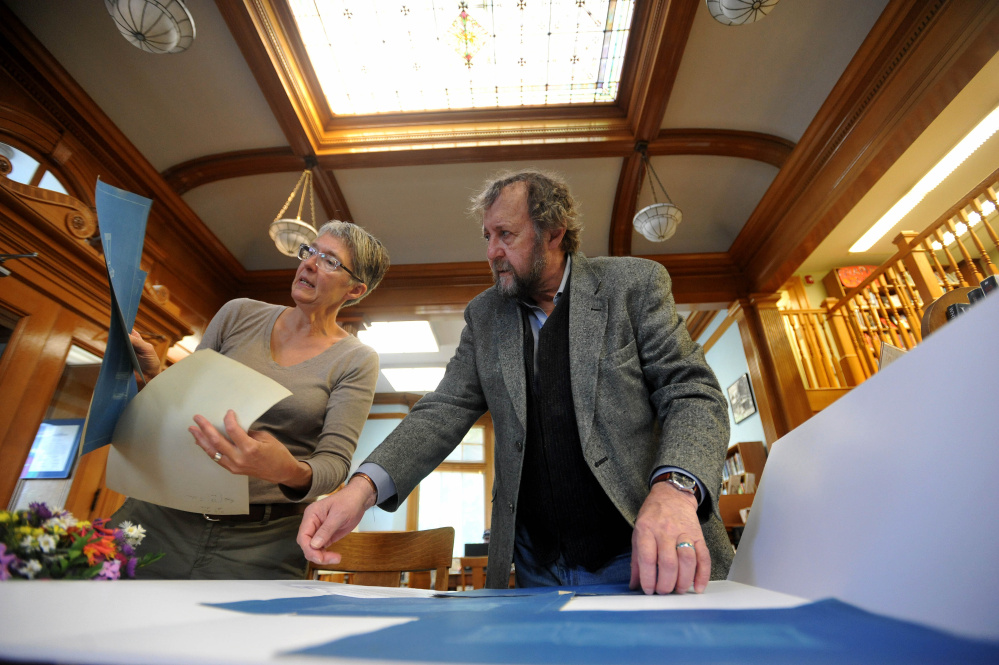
261, 511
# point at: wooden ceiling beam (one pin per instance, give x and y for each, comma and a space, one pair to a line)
330, 195
664, 26
245, 26
193, 173
766, 148
199, 171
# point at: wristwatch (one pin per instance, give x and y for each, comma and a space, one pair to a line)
681, 481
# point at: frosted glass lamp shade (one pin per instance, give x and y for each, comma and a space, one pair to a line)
739, 12
155, 26
289, 234
658, 221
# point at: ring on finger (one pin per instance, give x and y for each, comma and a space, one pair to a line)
218, 456
685, 544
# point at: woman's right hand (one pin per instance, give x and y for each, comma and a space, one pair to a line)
149, 362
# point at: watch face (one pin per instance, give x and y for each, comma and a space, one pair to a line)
682, 480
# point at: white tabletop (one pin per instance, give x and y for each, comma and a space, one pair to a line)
166, 622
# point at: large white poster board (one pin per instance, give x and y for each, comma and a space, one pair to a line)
153, 456
887, 498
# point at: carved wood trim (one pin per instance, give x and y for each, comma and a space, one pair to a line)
74, 113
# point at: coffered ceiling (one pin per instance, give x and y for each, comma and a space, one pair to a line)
774, 138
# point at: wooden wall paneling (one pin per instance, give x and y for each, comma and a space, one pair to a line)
29, 373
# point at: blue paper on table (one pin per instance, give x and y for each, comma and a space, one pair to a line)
121, 218
820, 633
578, 590
336, 605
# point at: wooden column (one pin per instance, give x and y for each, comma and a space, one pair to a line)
919, 268
780, 392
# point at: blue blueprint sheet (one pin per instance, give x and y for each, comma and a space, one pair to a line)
121, 218
820, 633
526, 626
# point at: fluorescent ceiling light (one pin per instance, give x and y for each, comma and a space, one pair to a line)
413, 379
968, 145
400, 337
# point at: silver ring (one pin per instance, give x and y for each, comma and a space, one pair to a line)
685, 544
218, 456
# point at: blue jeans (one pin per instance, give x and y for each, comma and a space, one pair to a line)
531, 573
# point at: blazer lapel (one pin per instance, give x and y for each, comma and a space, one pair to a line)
587, 323
508, 337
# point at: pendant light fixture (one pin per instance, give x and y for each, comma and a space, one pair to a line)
289, 233
155, 26
658, 221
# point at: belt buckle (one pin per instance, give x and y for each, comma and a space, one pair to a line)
210, 518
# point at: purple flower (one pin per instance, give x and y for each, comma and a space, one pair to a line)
130, 567
6, 561
111, 570
41, 510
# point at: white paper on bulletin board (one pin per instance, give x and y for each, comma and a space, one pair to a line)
154, 458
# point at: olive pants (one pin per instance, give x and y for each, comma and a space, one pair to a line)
198, 549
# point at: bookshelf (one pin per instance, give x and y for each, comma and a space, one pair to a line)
744, 464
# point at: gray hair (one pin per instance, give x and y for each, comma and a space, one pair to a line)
549, 203
369, 257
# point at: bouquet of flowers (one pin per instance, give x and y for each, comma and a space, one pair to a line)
39, 543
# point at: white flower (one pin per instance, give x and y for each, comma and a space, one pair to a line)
47, 542
58, 523
29, 543
30, 568
134, 533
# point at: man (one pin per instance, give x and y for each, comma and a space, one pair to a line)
610, 428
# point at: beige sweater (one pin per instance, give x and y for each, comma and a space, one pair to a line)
332, 392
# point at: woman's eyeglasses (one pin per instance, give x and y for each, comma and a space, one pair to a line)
325, 262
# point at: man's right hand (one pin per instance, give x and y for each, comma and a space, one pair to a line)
331, 519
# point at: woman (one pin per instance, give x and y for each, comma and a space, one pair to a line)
301, 447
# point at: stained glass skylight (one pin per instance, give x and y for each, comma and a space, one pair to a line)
390, 56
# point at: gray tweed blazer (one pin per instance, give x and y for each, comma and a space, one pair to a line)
644, 398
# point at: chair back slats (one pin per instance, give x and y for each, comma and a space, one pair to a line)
378, 558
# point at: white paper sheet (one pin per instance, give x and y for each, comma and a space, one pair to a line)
153, 456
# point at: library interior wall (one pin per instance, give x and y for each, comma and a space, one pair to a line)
728, 360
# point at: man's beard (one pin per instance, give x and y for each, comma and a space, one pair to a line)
522, 287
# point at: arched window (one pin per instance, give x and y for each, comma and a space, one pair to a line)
27, 170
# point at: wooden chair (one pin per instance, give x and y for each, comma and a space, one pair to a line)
379, 558
473, 572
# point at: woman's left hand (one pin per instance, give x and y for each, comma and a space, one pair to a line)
252, 453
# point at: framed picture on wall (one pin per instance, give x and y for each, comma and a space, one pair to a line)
740, 394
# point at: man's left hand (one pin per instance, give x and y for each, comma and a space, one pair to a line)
667, 518
250, 453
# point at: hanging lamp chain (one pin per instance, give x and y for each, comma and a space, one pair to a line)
651, 172
306, 176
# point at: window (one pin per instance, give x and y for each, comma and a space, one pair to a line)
27, 170
457, 493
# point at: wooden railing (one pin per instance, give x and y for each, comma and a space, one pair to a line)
839, 345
